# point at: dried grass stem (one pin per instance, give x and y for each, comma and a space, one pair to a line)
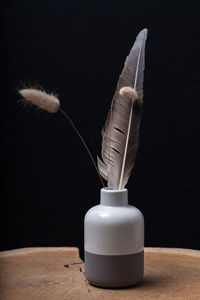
84, 143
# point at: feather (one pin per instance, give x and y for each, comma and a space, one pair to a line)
120, 135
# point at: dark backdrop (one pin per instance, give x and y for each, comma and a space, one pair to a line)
77, 49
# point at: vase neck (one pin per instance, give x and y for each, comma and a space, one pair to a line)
114, 197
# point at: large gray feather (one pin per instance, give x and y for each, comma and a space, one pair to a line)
115, 132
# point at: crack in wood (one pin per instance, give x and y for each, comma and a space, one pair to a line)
81, 271
87, 285
71, 264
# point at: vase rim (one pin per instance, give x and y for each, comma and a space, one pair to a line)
105, 190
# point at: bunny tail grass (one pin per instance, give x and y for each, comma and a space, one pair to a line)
51, 104
84, 143
41, 99
128, 92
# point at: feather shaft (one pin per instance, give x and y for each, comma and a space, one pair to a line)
136, 73
129, 125
126, 147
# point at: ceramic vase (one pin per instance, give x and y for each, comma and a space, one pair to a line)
114, 241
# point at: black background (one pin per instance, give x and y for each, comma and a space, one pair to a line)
77, 49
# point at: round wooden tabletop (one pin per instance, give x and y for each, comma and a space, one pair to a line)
58, 273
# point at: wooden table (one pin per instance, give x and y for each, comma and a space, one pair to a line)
58, 273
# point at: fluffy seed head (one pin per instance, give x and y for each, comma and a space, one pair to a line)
129, 92
41, 99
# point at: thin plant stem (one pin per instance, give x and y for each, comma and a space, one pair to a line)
84, 143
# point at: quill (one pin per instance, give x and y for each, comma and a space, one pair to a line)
120, 134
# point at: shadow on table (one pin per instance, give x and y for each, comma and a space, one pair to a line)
149, 281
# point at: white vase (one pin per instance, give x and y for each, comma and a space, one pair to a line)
114, 241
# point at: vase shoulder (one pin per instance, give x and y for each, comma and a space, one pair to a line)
116, 214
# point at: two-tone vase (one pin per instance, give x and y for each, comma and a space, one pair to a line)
114, 241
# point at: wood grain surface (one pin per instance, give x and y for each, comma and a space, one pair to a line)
58, 273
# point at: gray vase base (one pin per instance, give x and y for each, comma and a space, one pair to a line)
114, 271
